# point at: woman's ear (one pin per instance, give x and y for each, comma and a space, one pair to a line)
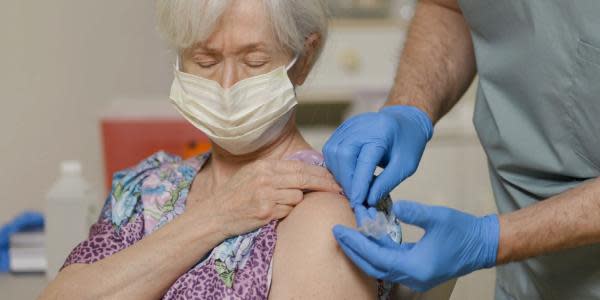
307, 59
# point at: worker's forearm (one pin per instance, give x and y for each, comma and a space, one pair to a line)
438, 63
568, 220
143, 271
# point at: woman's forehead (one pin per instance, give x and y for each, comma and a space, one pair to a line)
245, 25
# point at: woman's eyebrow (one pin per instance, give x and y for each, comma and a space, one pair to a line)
253, 47
203, 49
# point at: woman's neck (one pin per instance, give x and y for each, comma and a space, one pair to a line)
222, 164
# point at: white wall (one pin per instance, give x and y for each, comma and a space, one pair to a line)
62, 61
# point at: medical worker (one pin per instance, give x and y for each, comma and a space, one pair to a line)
538, 118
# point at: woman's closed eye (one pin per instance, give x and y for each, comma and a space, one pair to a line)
207, 64
256, 63
205, 61
256, 60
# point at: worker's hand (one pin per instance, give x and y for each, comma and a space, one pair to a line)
454, 244
260, 192
393, 139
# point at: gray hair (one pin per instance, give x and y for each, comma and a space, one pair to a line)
187, 22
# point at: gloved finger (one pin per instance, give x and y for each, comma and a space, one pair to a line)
386, 181
413, 213
331, 152
361, 263
375, 255
338, 232
337, 136
330, 155
372, 212
29, 220
369, 158
361, 214
407, 246
347, 156
386, 242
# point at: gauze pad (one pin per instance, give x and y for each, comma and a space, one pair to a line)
384, 223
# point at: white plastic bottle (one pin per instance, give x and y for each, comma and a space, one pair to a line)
66, 216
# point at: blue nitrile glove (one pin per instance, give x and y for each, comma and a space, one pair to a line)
454, 244
25, 221
393, 138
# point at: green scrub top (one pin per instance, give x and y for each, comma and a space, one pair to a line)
538, 118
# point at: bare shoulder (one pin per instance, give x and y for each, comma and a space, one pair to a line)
322, 209
307, 252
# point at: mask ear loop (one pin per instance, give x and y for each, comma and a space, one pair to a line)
290, 66
177, 63
177, 71
293, 62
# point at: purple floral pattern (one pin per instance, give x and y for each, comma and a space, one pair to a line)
159, 187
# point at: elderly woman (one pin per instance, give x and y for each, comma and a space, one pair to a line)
253, 218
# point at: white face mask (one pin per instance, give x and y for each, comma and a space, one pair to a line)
240, 119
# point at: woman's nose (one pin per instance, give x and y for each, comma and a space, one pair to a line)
230, 75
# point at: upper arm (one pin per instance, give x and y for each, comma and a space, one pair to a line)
308, 262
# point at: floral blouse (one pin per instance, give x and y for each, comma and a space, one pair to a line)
153, 193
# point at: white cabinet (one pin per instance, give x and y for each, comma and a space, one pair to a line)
356, 58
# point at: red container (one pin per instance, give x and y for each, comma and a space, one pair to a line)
127, 140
